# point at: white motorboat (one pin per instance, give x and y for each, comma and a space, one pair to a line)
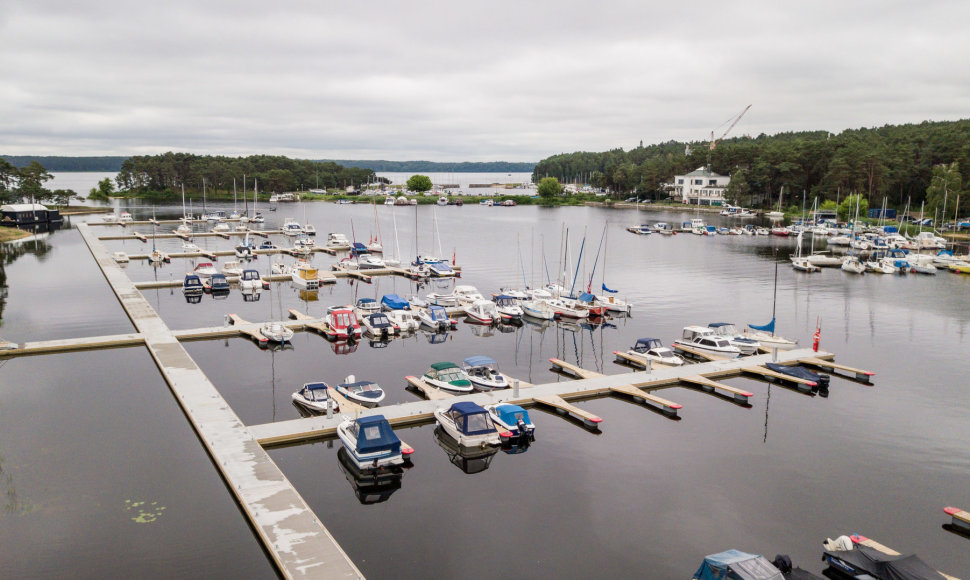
728, 331
244, 250
120, 257
482, 312
367, 393
448, 377
125, 218
371, 444
513, 419
483, 372
704, 340
205, 270
315, 397
250, 281
157, 257
508, 307
539, 309
292, 227
305, 275
221, 227
470, 425
192, 285
366, 307
823, 260
436, 318
276, 332
467, 295
189, 247
379, 325
922, 264
443, 300
404, 320
309, 230
442, 200
232, 269
336, 239
184, 228
653, 350
304, 242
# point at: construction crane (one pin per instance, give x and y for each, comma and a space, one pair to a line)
734, 121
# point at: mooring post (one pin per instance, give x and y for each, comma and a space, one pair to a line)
225, 320
515, 388
774, 354
649, 365
329, 408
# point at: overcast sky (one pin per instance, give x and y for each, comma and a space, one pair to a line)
453, 81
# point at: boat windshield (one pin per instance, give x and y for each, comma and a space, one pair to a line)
474, 423
364, 388
438, 314
379, 320
665, 353
342, 319
451, 375
726, 330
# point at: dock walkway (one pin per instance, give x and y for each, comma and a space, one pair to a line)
298, 542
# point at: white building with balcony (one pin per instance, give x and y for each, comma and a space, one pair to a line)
700, 187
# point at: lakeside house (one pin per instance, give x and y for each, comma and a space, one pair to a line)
699, 187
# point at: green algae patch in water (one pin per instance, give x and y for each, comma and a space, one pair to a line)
145, 512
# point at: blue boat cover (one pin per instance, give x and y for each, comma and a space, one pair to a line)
374, 433
736, 565
365, 301
605, 289
250, 275
438, 313
719, 324
471, 418
395, 302
770, 327
477, 361
587, 297
510, 414
439, 266
646, 344
316, 386
192, 280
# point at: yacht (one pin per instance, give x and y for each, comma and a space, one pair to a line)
653, 350
728, 331
704, 340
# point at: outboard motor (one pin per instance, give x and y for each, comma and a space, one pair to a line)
783, 563
823, 382
521, 427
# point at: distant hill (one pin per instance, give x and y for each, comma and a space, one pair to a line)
440, 167
113, 163
58, 163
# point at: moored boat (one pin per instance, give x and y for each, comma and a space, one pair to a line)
652, 349
448, 377
367, 393
371, 443
192, 285
483, 372
315, 397
704, 340
470, 425
513, 419
436, 318
341, 324
482, 312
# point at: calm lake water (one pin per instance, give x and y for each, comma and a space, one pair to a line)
85, 435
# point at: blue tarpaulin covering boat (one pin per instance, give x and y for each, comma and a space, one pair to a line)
737, 565
471, 418
395, 302
374, 434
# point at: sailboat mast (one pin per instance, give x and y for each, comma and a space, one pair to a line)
774, 300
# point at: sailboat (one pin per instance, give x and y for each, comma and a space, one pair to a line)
777, 215
799, 262
276, 331
257, 217
184, 227
157, 256
765, 333
608, 299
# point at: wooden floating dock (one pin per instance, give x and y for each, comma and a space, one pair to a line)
860, 375
297, 541
72, 344
801, 384
711, 386
960, 519
626, 358
431, 393
559, 405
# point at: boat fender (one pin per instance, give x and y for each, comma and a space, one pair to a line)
783, 563
842, 543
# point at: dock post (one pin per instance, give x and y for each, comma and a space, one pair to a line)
648, 366
774, 354
515, 388
329, 408
225, 320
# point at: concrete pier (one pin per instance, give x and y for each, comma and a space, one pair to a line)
298, 542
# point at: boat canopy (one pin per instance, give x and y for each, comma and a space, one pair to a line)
587, 298
907, 567
379, 319
365, 301
737, 565
437, 313
471, 418
505, 300
374, 433
512, 414
440, 366
395, 302
192, 280
645, 344
479, 361
250, 275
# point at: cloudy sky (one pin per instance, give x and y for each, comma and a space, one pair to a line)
452, 81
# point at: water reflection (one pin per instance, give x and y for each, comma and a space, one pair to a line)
10, 252
370, 485
468, 459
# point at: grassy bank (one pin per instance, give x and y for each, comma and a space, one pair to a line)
10, 234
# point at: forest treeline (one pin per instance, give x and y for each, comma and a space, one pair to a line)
60, 163
894, 161
442, 167
164, 175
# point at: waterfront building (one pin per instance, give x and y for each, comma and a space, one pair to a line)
699, 187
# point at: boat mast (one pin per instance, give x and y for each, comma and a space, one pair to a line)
774, 300
234, 196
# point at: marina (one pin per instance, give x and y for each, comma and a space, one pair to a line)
197, 342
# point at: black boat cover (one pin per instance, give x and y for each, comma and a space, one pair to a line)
794, 371
886, 567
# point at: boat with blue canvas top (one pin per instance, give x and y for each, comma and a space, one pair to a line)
513, 418
394, 302
372, 443
436, 318
800, 372
653, 350
470, 425
738, 565
483, 372
508, 307
728, 331
192, 285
